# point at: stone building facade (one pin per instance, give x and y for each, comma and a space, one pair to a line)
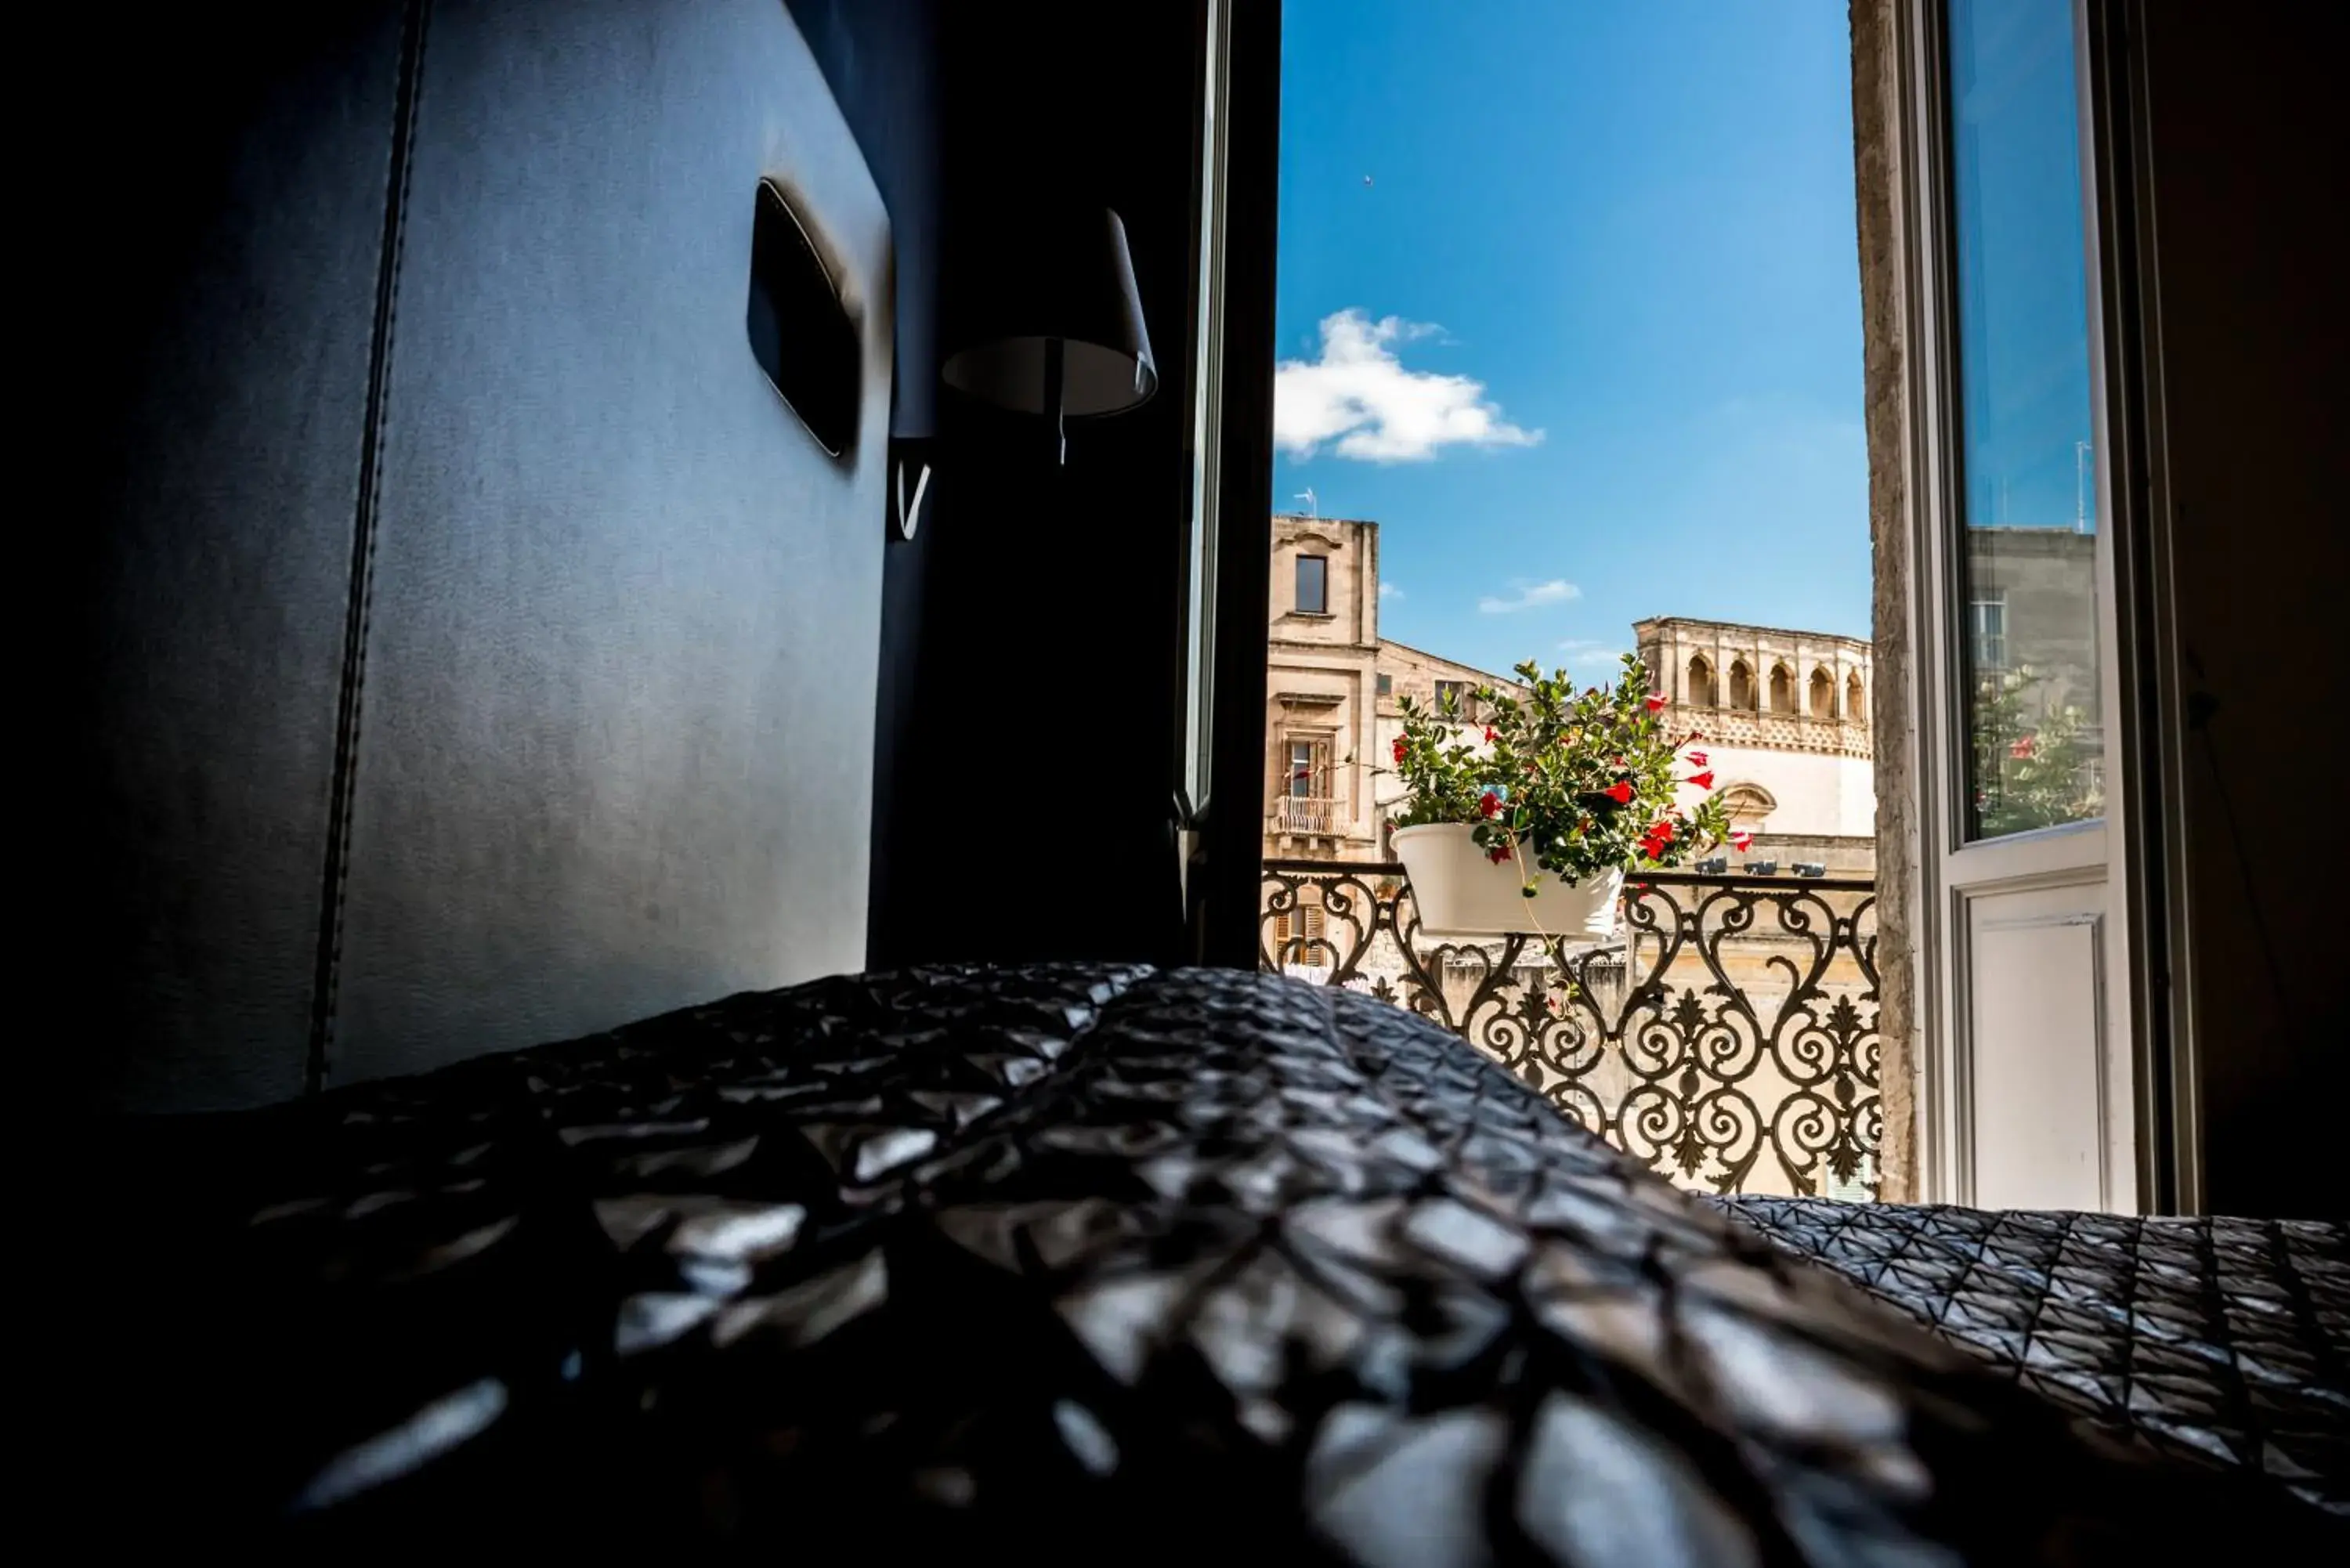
1331, 685
2032, 602
1786, 719
1784, 713
1321, 650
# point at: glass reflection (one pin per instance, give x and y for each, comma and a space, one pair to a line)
2028, 608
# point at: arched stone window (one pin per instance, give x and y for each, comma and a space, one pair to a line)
1782, 689
1700, 682
1855, 701
1748, 804
1742, 685
1823, 694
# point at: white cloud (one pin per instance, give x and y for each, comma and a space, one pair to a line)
1389, 591
1358, 399
1589, 653
1524, 596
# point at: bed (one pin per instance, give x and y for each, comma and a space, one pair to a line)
1086, 1262
2210, 1341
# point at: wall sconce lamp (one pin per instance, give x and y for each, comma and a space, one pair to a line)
909, 483
1052, 325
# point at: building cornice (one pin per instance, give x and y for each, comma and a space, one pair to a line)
1322, 646
1511, 682
1655, 624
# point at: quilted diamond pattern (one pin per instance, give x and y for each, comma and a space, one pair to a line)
2221, 1340
1063, 1263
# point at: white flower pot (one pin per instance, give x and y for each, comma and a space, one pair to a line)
1460, 893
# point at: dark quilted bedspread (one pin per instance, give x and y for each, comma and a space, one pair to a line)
1054, 1264
2223, 1340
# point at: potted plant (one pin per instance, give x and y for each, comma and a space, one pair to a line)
1523, 814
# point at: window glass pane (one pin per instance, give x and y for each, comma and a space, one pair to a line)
2029, 585
1314, 584
1987, 626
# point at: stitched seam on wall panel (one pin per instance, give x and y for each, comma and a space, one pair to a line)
327, 976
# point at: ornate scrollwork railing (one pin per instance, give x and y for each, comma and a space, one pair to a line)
1727, 1036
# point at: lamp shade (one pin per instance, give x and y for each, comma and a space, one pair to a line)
1050, 280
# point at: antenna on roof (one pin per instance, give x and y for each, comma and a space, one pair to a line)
1312, 507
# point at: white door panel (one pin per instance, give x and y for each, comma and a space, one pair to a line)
2036, 1062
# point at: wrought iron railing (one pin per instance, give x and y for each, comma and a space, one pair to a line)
1727, 1036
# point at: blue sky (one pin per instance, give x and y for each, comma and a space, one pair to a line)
2023, 315
1586, 341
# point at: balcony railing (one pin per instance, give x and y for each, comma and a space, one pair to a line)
1299, 814
1727, 1036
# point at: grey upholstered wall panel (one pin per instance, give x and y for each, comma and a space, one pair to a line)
229, 250
618, 690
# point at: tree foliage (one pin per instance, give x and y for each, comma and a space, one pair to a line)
2031, 767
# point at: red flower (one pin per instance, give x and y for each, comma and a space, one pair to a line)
1399, 749
1741, 842
1696, 759
1620, 792
1490, 736
2021, 749
1662, 830
1656, 701
1702, 780
1491, 805
1500, 852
